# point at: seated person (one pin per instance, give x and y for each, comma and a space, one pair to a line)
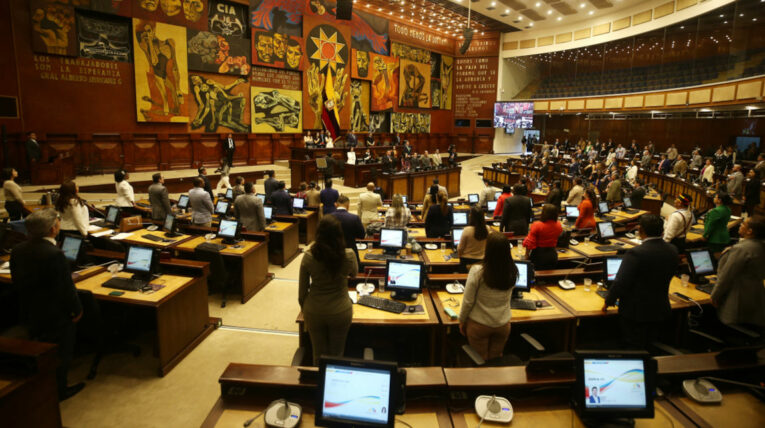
439, 218
542, 239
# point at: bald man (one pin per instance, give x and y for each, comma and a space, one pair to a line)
369, 201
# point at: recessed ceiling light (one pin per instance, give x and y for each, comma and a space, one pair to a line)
559, 18
531, 24
539, 3
493, 4
549, 12
754, 19
591, 12
582, 5
682, 27
740, 15
520, 18
507, 10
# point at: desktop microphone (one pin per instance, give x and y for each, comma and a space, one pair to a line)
568, 284
366, 287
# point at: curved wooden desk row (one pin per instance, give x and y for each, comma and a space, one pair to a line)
416, 184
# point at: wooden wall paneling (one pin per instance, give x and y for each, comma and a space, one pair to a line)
282, 143
419, 186
177, 152
207, 150
484, 143
107, 151
241, 153
262, 151
143, 153
464, 143
453, 182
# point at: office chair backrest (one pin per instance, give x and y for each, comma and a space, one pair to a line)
218, 274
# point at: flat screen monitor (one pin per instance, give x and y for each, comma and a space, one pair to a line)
497, 195
392, 240
228, 229
404, 278
606, 229
525, 277
262, 197
229, 194
511, 115
611, 268
460, 218
403, 199
627, 202
615, 384
298, 203
457, 236
221, 207
71, 247
112, 214
572, 212
183, 202
491, 205
701, 263
140, 261
473, 198
357, 393
603, 207
169, 225
268, 212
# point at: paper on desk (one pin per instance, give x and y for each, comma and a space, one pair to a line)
102, 233
92, 228
354, 296
5, 271
124, 235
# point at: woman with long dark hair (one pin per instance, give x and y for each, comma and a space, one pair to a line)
75, 217
439, 218
323, 289
473, 241
14, 201
543, 237
586, 219
485, 312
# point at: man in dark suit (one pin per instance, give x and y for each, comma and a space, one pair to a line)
229, 147
281, 200
664, 164
396, 139
34, 153
351, 140
328, 197
249, 209
637, 195
206, 182
516, 212
158, 198
270, 185
387, 162
642, 285
351, 224
50, 307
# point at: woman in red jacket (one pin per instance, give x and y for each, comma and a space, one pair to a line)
586, 219
543, 237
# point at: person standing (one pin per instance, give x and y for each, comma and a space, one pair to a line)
614, 189
388, 162
707, 173
223, 184
672, 152
281, 200
716, 223
760, 166
487, 193
229, 148
34, 152
679, 222
72, 209
351, 140
472, 244
14, 200
439, 218
323, 289
125, 195
201, 204
517, 212
248, 209
312, 196
642, 285
555, 197
398, 215
50, 307
738, 292
308, 139
369, 202
586, 219
205, 182
680, 168
485, 311
542, 239
752, 191
637, 195
506, 193
576, 193
159, 198
270, 185
351, 224
735, 182
238, 187
328, 197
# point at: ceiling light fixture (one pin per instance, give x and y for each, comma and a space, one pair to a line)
549, 12
582, 5
591, 12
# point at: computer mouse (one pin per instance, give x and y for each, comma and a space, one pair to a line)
561, 250
411, 308
573, 242
237, 246
538, 303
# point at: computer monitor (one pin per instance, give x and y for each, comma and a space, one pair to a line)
404, 278
141, 262
497, 194
169, 226
614, 385
112, 215
268, 211
460, 218
491, 206
392, 240
230, 194
700, 263
72, 246
403, 199
605, 229
572, 212
357, 393
603, 207
627, 202
262, 197
524, 280
298, 203
472, 198
457, 236
229, 230
611, 267
221, 207
183, 202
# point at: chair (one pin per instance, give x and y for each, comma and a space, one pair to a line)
219, 277
93, 326
507, 359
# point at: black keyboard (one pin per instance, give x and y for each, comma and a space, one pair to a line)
376, 256
706, 288
607, 248
141, 204
630, 210
383, 304
211, 246
523, 304
100, 223
129, 284
155, 238
602, 293
607, 216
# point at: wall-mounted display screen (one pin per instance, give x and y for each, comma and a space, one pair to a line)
513, 115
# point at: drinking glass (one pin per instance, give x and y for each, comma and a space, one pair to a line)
587, 284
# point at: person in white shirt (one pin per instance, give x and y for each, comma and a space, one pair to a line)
223, 184
436, 158
329, 143
75, 217
621, 151
576, 193
487, 193
679, 223
369, 201
707, 173
125, 196
351, 157
696, 160
308, 139
632, 171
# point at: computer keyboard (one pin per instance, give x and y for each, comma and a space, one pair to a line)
129, 284
602, 293
376, 256
144, 205
383, 304
523, 304
211, 246
630, 210
100, 223
607, 216
155, 238
607, 248
706, 288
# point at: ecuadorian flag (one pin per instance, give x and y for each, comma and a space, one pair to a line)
329, 116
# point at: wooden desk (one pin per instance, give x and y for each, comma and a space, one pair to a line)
738, 409
359, 174
622, 217
438, 258
588, 248
416, 184
180, 312
283, 243
371, 321
366, 261
307, 224
697, 231
136, 238
251, 261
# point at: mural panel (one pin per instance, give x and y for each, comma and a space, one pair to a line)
384, 71
220, 103
447, 72
280, 16
217, 54
227, 19
53, 29
414, 123
187, 13
272, 49
275, 110
369, 33
414, 84
360, 105
103, 38
403, 51
360, 65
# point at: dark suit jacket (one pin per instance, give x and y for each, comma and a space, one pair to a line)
516, 214
351, 140
48, 297
282, 202
159, 200
752, 192
664, 166
33, 150
387, 163
555, 197
229, 146
436, 223
352, 228
642, 283
270, 185
207, 186
328, 198
636, 197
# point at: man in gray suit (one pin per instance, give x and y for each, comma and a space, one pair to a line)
645, 162
736, 182
201, 204
160, 201
248, 208
738, 293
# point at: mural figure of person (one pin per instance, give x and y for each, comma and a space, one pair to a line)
164, 74
294, 54
265, 47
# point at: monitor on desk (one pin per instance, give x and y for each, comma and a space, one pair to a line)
229, 194
298, 203
472, 198
183, 202
72, 246
497, 194
268, 212
403, 199
229, 230
457, 236
460, 218
169, 226
357, 393
524, 280
605, 229
112, 215
627, 202
404, 278
614, 385
141, 262
262, 197
603, 207
701, 264
221, 208
392, 240
572, 213
491, 206
610, 268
